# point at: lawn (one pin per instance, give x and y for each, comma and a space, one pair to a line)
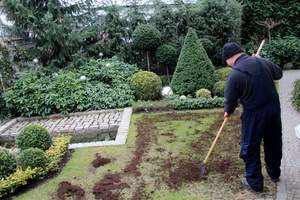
159, 161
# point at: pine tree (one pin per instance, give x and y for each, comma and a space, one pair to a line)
56, 28
194, 69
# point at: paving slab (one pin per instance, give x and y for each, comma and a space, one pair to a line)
288, 188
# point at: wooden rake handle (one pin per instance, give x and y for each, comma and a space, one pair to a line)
260, 47
215, 141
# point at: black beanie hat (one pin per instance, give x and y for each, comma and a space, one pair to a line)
230, 49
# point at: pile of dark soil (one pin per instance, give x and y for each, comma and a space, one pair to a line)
66, 189
100, 161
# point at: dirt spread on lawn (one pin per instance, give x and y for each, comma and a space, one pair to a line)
177, 170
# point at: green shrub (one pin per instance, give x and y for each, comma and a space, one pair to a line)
296, 95
203, 93
7, 163
283, 50
223, 72
219, 89
32, 157
107, 86
194, 69
193, 103
146, 37
54, 154
33, 136
146, 85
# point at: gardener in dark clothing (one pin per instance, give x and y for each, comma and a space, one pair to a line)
252, 82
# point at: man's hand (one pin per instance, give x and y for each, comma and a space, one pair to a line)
226, 115
255, 55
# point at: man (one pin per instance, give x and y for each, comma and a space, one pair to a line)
252, 82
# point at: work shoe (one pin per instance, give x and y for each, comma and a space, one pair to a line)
246, 184
275, 180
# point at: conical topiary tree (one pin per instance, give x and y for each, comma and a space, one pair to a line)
146, 38
194, 69
166, 55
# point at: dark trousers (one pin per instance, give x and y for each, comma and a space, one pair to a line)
262, 124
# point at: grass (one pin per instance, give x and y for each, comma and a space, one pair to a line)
171, 144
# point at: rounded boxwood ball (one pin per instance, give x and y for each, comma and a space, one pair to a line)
146, 85
203, 93
219, 88
33, 136
33, 158
7, 163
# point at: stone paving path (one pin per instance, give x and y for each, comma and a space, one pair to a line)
103, 124
288, 188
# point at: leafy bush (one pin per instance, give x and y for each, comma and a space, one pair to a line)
223, 72
296, 95
33, 136
54, 154
282, 51
32, 157
107, 86
194, 69
219, 89
7, 163
146, 85
203, 93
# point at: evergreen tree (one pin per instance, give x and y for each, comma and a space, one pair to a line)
57, 28
219, 21
194, 69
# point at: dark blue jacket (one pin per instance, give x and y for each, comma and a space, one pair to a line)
239, 84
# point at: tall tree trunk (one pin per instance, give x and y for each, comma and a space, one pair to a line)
148, 62
168, 74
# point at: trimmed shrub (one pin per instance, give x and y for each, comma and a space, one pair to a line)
194, 69
203, 93
296, 95
223, 72
7, 163
54, 154
166, 54
193, 103
33, 158
146, 85
146, 37
219, 89
33, 136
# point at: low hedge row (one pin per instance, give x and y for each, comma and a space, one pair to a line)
54, 154
193, 103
